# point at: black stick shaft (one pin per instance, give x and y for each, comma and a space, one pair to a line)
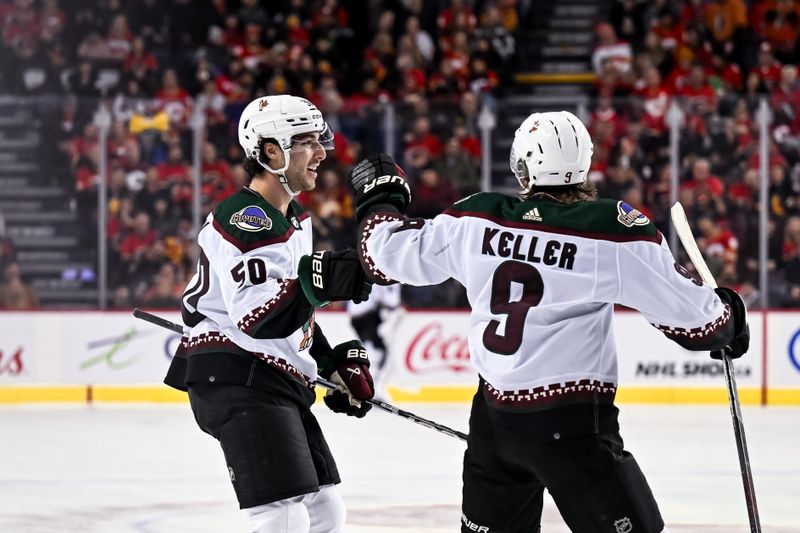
389, 408
741, 446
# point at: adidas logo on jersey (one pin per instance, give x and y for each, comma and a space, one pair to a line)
532, 215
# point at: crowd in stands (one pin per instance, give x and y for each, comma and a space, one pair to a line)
157, 65
716, 59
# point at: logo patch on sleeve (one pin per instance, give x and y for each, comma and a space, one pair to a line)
251, 218
629, 217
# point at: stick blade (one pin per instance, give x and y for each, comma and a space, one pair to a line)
684, 232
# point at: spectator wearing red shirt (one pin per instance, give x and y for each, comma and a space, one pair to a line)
421, 138
719, 246
767, 67
703, 183
119, 38
655, 101
175, 169
432, 194
775, 157
725, 76
611, 51
458, 16
136, 243
173, 99
140, 62
217, 183
700, 94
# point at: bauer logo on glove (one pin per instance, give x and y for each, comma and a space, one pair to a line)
348, 367
384, 180
379, 184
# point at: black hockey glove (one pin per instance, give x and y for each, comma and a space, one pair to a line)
348, 367
333, 277
740, 342
378, 180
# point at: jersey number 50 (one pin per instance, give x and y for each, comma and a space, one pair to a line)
532, 287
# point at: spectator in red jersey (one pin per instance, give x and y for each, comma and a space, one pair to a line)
617, 54
420, 138
767, 67
119, 38
136, 243
719, 247
458, 16
251, 51
140, 64
175, 169
704, 184
725, 77
216, 184
432, 194
775, 157
679, 75
697, 90
174, 100
655, 101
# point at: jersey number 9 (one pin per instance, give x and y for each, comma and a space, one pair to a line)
532, 289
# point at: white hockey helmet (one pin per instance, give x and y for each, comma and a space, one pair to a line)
280, 118
551, 149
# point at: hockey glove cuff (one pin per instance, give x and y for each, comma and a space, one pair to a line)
348, 368
740, 342
379, 180
333, 277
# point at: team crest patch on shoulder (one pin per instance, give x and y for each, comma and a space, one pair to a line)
251, 218
629, 217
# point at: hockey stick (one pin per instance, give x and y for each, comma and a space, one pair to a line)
389, 408
681, 225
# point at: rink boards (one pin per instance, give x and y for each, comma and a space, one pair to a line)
95, 356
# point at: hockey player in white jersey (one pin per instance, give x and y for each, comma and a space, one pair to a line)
254, 351
542, 273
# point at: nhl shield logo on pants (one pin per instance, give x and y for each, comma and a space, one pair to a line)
623, 525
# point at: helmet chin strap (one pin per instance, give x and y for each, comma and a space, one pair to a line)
281, 173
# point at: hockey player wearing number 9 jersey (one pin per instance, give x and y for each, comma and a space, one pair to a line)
253, 351
542, 273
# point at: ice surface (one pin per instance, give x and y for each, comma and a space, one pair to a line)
149, 469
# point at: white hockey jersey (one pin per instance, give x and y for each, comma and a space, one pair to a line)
245, 298
542, 279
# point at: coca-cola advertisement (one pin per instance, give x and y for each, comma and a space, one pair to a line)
432, 348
